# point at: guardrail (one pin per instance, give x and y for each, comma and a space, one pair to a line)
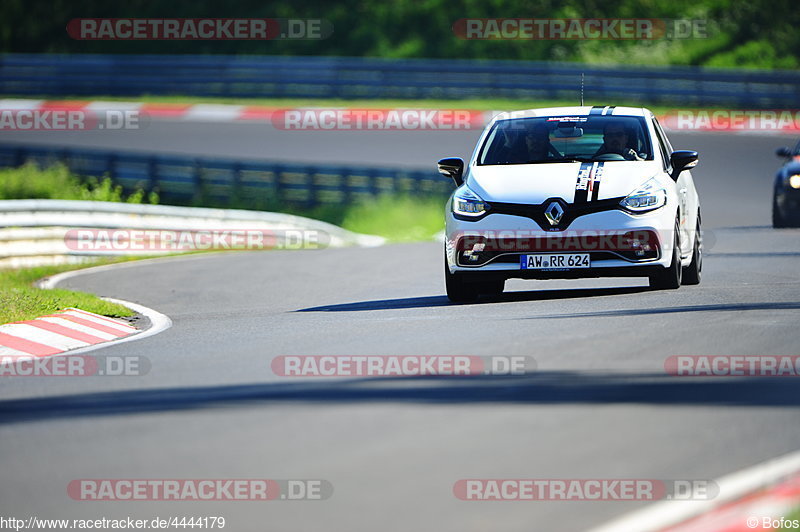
349, 78
40, 232
260, 185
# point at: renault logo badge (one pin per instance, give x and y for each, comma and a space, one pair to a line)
554, 212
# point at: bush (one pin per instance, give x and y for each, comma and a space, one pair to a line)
56, 182
398, 218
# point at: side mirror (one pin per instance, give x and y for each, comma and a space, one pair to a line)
682, 160
783, 151
453, 168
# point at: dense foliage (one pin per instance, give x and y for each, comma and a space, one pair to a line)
743, 33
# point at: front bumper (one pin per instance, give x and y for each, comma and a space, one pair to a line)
788, 200
619, 244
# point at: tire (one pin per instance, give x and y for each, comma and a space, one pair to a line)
457, 290
669, 278
778, 220
693, 272
492, 288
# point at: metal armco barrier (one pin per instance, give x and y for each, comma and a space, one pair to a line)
37, 232
229, 182
52, 75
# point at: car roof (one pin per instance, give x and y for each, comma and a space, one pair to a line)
585, 110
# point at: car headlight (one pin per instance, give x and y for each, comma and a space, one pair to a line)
648, 197
794, 181
467, 203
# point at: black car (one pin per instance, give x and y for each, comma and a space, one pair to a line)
786, 200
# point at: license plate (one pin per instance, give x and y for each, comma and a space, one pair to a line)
558, 261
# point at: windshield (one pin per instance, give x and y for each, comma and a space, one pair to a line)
566, 139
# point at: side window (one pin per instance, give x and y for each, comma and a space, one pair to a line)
663, 136
488, 145
662, 144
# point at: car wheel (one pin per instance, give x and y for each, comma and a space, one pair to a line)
692, 273
457, 290
778, 220
670, 278
493, 288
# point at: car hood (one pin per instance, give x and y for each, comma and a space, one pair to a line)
534, 183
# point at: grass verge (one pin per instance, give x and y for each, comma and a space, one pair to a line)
20, 300
794, 516
397, 218
496, 104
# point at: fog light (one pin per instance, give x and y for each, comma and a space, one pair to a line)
640, 248
472, 255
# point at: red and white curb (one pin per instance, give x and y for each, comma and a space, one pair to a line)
751, 513
76, 331
60, 332
685, 120
767, 490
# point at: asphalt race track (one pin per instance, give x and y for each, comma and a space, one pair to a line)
259, 140
599, 406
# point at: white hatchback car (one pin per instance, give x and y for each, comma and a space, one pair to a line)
571, 192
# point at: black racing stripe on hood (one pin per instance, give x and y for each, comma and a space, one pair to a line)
599, 110
595, 183
582, 183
